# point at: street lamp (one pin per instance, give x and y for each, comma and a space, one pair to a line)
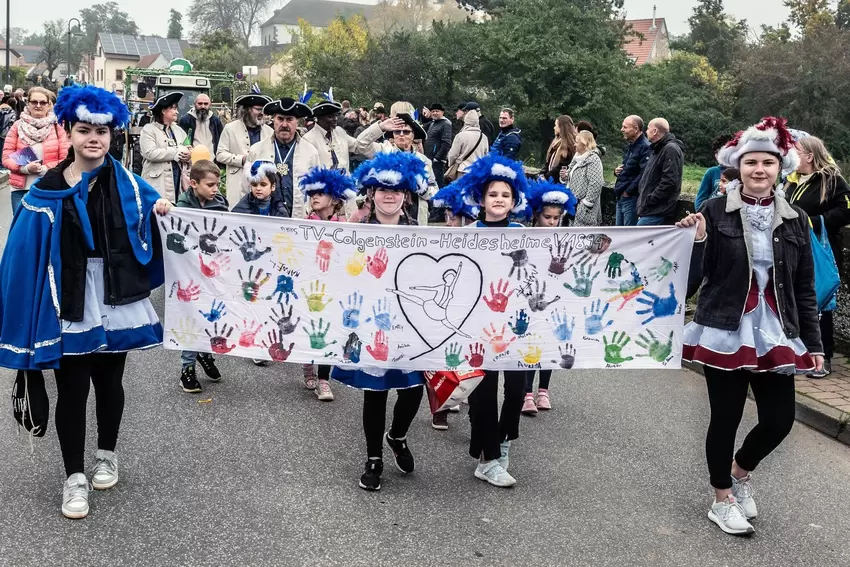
68, 66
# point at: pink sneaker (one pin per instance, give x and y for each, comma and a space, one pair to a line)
309, 377
528, 407
543, 401
323, 391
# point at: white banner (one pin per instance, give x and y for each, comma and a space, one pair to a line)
424, 298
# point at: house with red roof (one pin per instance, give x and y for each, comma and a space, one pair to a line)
648, 40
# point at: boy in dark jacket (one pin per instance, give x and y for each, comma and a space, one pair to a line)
203, 194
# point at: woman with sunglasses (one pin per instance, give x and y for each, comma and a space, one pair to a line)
34, 144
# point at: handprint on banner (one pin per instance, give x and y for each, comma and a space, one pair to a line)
533, 355
628, 288
351, 350
285, 249
561, 326
324, 249
176, 239
453, 359
251, 286
248, 336
247, 245
663, 270
560, 255
568, 357
614, 349
497, 339
520, 327
499, 296
191, 292
475, 358
318, 334
351, 314
208, 239
583, 286
284, 322
218, 341
520, 265
381, 315
187, 330
275, 347
219, 264
356, 264
598, 244
537, 298
377, 265
613, 267
316, 298
655, 349
284, 288
381, 350
593, 324
658, 306
215, 313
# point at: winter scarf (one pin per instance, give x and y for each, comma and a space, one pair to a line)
35, 130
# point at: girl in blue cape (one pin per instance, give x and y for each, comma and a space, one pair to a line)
82, 257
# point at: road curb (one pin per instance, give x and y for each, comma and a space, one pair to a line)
817, 415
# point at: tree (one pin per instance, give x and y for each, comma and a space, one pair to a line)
714, 34
105, 18
842, 14
220, 50
808, 14
17, 36
770, 34
330, 57
175, 25
411, 15
242, 18
53, 49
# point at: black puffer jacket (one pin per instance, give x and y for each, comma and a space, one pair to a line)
661, 182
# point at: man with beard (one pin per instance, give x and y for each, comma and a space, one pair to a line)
237, 137
202, 126
292, 156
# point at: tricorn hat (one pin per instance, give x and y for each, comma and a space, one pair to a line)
287, 107
166, 100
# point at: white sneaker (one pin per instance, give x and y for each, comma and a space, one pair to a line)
743, 491
75, 497
729, 516
455, 409
105, 474
492, 472
323, 391
505, 459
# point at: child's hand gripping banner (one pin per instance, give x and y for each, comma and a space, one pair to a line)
420, 298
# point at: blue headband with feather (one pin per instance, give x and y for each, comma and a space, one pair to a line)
451, 198
547, 193
333, 182
490, 168
91, 105
261, 169
395, 171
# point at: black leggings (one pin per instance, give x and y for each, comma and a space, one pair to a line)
827, 334
73, 378
375, 416
489, 429
545, 376
324, 372
727, 394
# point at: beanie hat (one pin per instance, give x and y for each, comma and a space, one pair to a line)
771, 135
494, 167
91, 105
394, 171
546, 193
333, 182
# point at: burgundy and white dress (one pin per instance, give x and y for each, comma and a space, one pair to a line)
759, 344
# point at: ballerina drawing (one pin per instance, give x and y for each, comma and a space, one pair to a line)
436, 307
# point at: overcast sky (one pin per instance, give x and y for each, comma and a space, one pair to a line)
152, 15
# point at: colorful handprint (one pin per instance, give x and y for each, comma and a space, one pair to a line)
628, 288
356, 264
176, 239
216, 312
568, 356
475, 358
248, 336
284, 321
275, 347
453, 359
323, 254
208, 239
351, 313
520, 265
284, 288
613, 267
614, 349
187, 330
380, 350
318, 334
316, 298
562, 327
655, 349
658, 306
286, 249
191, 292
662, 270
537, 298
497, 339
499, 296
560, 255
219, 264
520, 327
251, 286
351, 350
381, 315
218, 340
533, 355
377, 265
247, 245
583, 286
593, 324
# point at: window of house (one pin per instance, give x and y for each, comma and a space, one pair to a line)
119, 74
100, 52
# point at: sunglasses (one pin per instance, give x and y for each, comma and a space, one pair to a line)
402, 132
38, 102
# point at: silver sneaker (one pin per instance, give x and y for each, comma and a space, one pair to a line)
743, 491
323, 391
505, 459
105, 474
75, 497
729, 517
492, 472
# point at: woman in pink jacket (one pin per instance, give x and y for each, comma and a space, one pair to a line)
37, 130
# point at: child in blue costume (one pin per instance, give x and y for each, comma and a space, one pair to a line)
548, 203
391, 179
81, 260
494, 188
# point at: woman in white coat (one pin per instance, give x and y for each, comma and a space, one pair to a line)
162, 147
469, 145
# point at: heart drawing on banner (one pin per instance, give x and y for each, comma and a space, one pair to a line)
437, 295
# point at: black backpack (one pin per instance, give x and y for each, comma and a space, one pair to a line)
30, 405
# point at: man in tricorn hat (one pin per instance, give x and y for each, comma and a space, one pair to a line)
237, 137
292, 156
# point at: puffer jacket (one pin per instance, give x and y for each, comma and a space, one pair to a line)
470, 137
54, 150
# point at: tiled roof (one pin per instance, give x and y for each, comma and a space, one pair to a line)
30, 53
131, 47
318, 13
639, 48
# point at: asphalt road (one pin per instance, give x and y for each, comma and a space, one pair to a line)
265, 474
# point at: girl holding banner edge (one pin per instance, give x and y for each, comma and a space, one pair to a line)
391, 179
756, 322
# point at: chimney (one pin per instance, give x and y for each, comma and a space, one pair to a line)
653, 17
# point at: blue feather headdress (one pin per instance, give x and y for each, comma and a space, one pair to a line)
333, 182
451, 198
494, 167
397, 171
91, 105
260, 169
547, 193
